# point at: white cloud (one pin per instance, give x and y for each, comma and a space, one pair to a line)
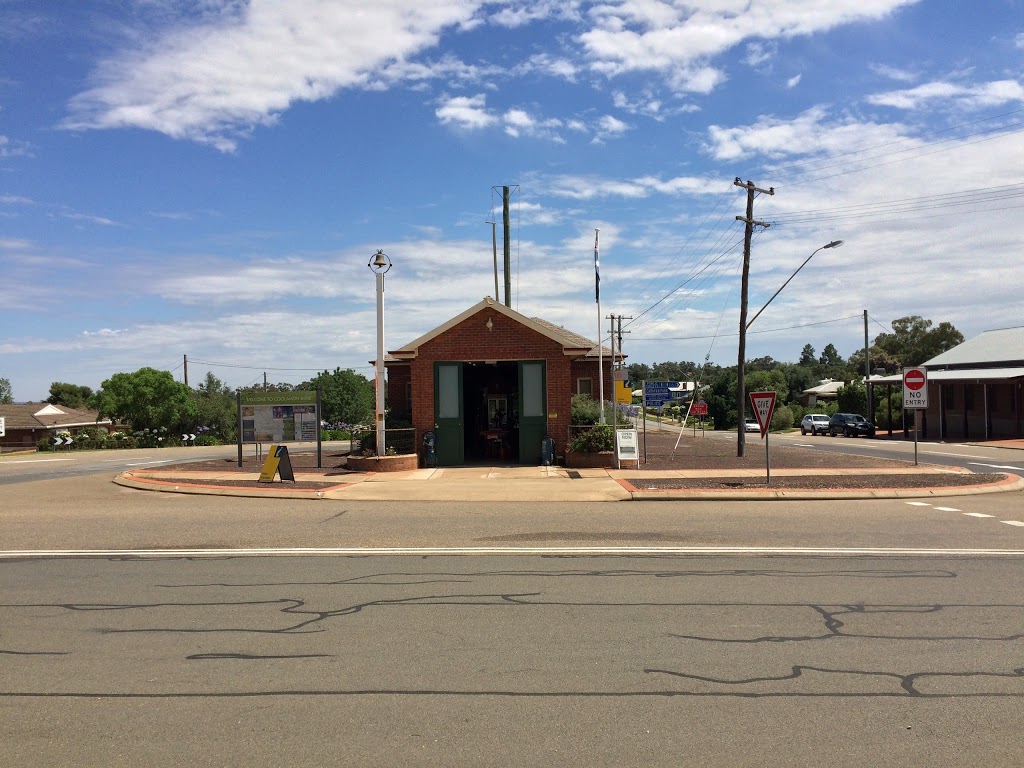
893, 73
523, 12
794, 81
10, 148
981, 96
15, 200
680, 40
581, 187
759, 53
469, 112
214, 81
101, 220
1018, 41
808, 134
609, 127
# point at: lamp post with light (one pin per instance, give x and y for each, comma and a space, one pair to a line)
379, 265
740, 393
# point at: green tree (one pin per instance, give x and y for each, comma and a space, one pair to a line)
70, 395
6, 396
216, 408
913, 340
798, 378
148, 399
879, 359
807, 356
830, 357
345, 396
853, 398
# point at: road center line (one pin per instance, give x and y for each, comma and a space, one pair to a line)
510, 551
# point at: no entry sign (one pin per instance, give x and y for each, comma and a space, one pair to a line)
915, 388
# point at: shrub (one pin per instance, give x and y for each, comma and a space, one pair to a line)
206, 440
595, 440
585, 410
782, 418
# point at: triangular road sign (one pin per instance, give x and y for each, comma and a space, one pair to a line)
764, 404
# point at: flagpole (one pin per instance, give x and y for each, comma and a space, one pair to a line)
597, 296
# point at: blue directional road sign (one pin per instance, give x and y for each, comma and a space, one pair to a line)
657, 393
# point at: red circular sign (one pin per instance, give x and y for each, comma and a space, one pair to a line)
913, 380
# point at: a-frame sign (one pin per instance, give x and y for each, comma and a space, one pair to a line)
764, 404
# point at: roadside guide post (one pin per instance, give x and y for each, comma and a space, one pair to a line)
763, 404
915, 395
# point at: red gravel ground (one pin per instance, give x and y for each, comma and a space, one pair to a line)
702, 452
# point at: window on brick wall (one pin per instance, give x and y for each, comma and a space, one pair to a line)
585, 387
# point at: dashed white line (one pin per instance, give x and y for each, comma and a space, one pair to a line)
1013, 522
919, 503
977, 514
947, 509
32, 461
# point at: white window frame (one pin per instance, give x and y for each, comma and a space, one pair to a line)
580, 380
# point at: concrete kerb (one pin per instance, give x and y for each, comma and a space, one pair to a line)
596, 485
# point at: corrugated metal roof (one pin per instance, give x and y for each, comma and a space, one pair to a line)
963, 374
1003, 345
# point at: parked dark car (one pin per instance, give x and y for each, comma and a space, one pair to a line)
850, 425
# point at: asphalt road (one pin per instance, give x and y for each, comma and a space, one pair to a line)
895, 637
30, 467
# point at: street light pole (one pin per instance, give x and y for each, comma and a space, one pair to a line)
833, 244
744, 325
380, 264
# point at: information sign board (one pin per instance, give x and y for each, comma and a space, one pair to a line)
915, 387
279, 417
699, 409
626, 444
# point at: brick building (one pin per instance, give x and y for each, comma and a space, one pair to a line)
492, 383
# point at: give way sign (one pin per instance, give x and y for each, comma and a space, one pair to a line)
915, 387
764, 404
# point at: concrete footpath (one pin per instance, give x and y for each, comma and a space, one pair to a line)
546, 484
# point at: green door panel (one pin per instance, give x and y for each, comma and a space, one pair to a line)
449, 419
533, 420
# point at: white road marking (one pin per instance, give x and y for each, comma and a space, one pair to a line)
995, 466
1012, 522
919, 503
32, 461
803, 445
958, 455
977, 514
505, 551
947, 509
142, 463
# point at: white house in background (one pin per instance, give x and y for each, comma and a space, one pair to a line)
827, 390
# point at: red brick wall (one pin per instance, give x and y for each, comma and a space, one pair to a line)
507, 340
398, 378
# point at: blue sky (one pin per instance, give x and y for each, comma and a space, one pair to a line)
210, 177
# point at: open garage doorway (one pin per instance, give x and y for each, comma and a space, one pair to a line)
491, 404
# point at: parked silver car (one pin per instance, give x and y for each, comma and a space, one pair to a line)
815, 423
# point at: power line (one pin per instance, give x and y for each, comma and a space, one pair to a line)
767, 330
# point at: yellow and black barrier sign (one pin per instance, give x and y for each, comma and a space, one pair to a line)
277, 462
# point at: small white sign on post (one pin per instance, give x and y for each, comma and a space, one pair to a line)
3, 427
915, 387
626, 445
